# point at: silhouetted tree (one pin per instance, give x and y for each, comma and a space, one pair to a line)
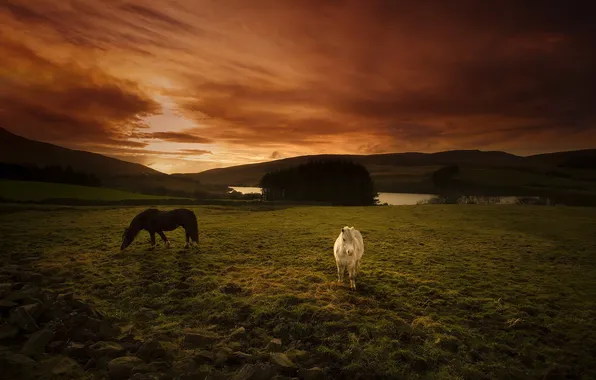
339, 182
444, 175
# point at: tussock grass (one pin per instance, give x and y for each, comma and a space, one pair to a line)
446, 292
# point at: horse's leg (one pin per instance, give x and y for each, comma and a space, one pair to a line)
338, 272
164, 238
352, 274
152, 235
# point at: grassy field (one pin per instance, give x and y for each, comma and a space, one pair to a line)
446, 291
38, 191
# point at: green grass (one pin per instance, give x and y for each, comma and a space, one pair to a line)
446, 291
38, 191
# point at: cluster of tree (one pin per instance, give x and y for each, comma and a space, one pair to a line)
443, 176
50, 173
336, 181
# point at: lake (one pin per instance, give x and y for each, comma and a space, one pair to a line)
394, 199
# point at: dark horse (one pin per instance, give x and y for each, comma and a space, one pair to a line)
156, 222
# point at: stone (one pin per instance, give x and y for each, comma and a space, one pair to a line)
314, 373
7, 305
242, 357
8, 331
146, 314
222, 354
77, 350
107, 331
21, 318
64, 366
37, 342
282, 362
105, 349
121, 368
204, 357
93, 324
240, 331
152, 350
186, 365
5, 289
255, 372
193, 340
274, 345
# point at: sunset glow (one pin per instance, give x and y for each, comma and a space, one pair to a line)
185, 86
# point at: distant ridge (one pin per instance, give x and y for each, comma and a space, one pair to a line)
18, 149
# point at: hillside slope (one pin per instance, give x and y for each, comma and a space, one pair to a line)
18, 149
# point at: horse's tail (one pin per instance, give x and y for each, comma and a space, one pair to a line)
193, 228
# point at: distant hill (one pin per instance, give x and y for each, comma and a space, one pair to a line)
18, 149
482, 171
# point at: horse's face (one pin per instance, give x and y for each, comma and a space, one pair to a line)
126, 239
348, 240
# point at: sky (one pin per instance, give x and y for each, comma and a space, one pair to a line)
190, 85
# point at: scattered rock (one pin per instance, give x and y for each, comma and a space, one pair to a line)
21, 318
314, 373
18, 360
242, 357
105, 349
184, 366
274, 345
5, 289
152, 350
281, 361
204, 357
255, 372
107, 331
146, 314
193, 340
240, 331
37, 342
63, 365
121, 368
77, 350
7, 305
222, 354
8, 331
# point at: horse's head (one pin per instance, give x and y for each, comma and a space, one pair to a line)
348, 240
127, 238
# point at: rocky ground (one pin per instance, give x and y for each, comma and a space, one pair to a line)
45, 334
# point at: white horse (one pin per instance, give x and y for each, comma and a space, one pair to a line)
348, 250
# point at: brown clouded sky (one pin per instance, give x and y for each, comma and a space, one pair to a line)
187, 85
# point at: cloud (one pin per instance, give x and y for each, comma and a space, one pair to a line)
301, 76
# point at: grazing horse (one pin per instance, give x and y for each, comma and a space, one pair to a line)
348, 250
156, 221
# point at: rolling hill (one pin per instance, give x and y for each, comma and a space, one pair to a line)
482, 171
20, 150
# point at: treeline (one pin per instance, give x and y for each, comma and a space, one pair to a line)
336, 181
50, 173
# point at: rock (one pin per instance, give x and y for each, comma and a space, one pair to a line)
254, 372
19, 360
107, 331
222, 354
184, 366
204, 357
152, 350
193, 340
8, 331
65, 366
81, 334
274, 345
240, 331
121, 368
93, 324
36, 344
314, 373
7, 305
105, 349
5, 289
21, 318
77, 350
281, 361
146, 314
242, 357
